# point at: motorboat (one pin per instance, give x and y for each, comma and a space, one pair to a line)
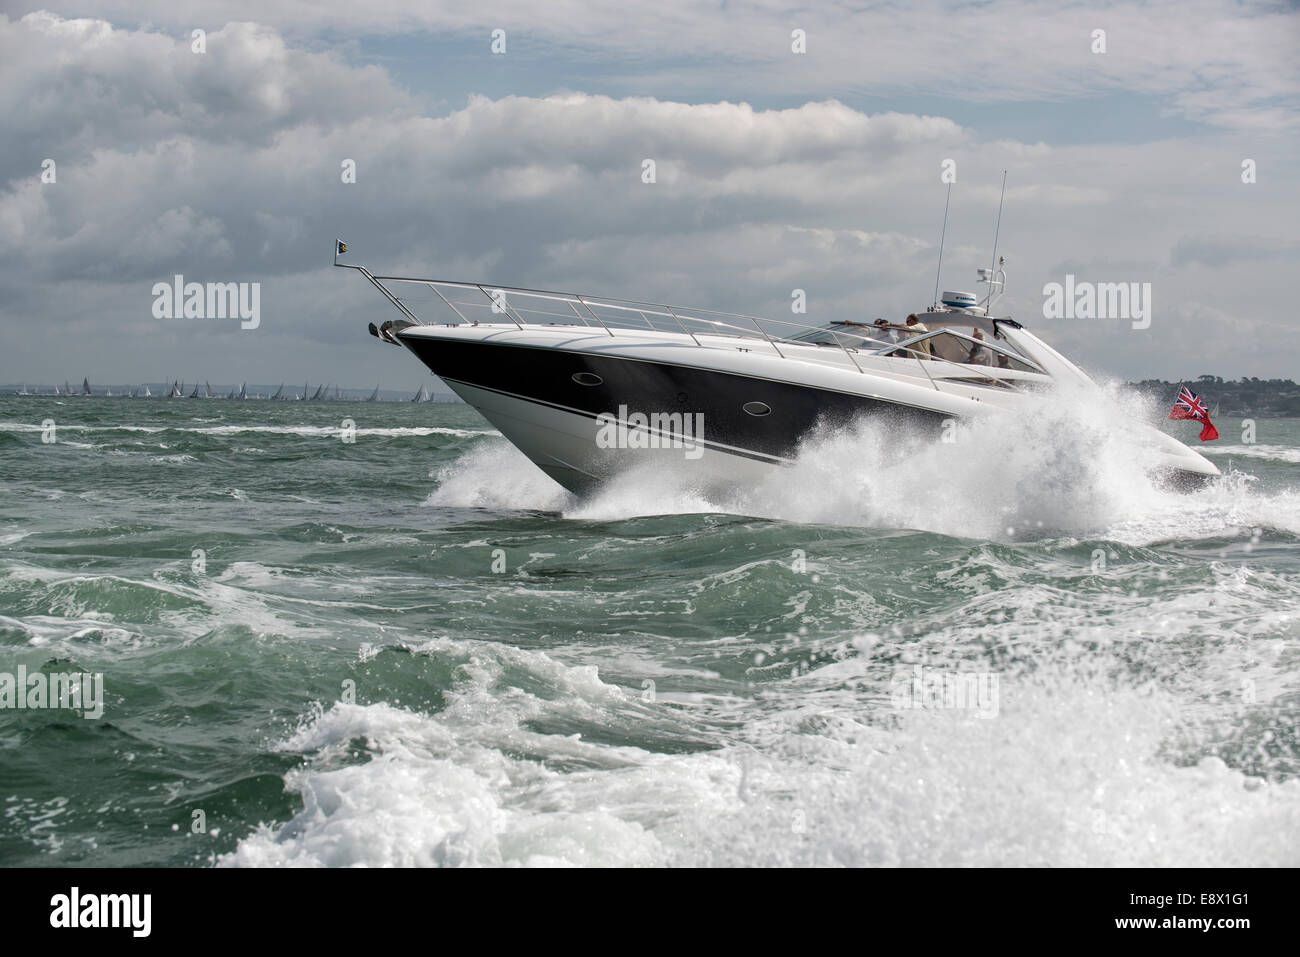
586, 386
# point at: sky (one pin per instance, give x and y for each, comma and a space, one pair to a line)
133, 153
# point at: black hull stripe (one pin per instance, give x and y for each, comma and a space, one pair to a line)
545, 377
408, 340
715, 446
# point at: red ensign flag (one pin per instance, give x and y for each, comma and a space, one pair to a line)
1188, 405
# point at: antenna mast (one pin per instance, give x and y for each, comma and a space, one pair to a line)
993, 264
943, 236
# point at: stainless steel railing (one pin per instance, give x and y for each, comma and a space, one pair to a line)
611, 315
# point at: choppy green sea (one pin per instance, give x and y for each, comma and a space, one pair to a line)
404, 645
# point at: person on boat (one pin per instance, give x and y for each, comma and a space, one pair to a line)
913, 326
887, 331
897, 333
979, 353
856, 337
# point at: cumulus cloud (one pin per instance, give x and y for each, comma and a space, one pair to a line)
1216, 60
80, 85
228, 169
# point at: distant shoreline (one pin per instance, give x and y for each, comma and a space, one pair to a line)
223, 392
1248, 397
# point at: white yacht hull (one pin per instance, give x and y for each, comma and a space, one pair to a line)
567, 446
588, 387
584, 406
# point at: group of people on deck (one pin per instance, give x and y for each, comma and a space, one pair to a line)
979, 354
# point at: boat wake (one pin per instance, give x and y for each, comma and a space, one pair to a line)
816, 782
1072, 469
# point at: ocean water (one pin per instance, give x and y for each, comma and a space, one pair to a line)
414, 648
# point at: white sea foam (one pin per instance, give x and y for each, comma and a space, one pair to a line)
497, 475
1273, 453
1072, 771
1073, 467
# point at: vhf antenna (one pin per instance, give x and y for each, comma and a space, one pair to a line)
942, 236
988, 305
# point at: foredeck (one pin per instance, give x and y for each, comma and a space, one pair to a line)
855, 346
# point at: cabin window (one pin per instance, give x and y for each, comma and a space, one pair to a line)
757, 408
587, 378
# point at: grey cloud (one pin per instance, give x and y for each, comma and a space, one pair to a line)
1214, 60
72, 87
240, 185
1220, 251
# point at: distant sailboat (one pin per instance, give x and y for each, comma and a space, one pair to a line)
147, 393
374, 396
279, 393
305, 387
422, 395
207, 390
108, 393
319, 389
243, 392
175, 393
85, 387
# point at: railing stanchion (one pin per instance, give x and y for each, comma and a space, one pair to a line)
755, 320
514, 316
682, 324
577, 313
594, 316
846, 352
447, 301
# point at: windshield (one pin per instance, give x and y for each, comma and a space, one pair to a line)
953, 336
